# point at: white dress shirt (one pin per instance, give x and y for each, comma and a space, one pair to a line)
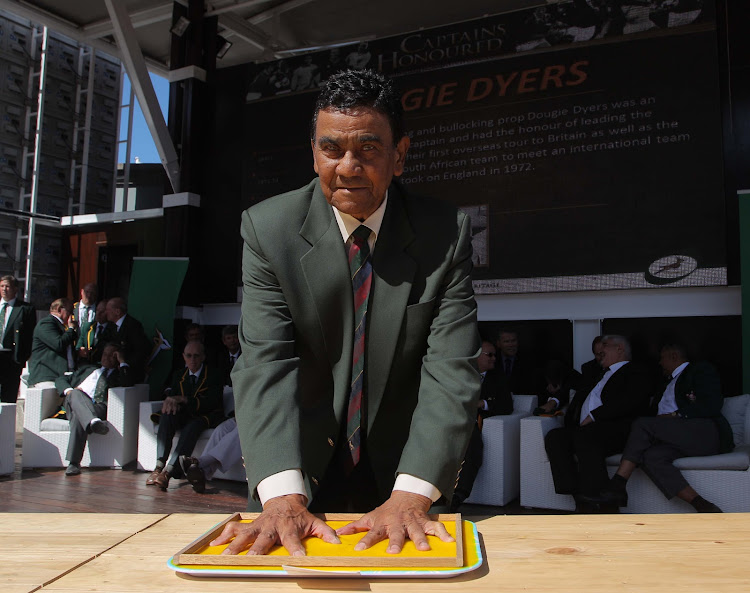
291, 481
668, 403
594, 398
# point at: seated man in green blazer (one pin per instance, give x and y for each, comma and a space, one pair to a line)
85, 394
195, 403
52, 345
357, 385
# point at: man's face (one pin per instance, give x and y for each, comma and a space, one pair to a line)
113, 313
487, 358
194, 333
88, 294
354, 155
599, 352
508, 344
64, 314
109, 358
193, 356
669, 360
7, 290
231, 341
613, 353
101, 312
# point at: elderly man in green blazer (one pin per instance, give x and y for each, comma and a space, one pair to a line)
357, 386
52, 345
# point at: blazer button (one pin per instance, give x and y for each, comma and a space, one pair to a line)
330, 441
314, 480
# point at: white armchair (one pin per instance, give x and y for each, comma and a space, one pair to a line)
147, 439
7, 438
537, 488
45, 439
498, 480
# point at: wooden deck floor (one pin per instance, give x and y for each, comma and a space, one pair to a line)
49, 490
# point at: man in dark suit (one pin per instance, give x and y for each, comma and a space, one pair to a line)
495, 399
228, 357
17, 321
597, 422
591, 371
195, 403
127, 332
343, 414
518, 371
93, 334
52, 345
85, 394
688, 423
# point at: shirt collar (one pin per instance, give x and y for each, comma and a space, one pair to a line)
10, 303
678, 371
57, 317
348, 224
618, 365
118, 323
196, 373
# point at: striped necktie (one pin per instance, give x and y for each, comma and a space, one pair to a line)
361, 271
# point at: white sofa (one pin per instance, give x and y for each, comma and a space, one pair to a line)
147, 439
7, 438
498, 480
45, 439
723, 479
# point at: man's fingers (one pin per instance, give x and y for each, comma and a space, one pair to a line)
320, 530
357, 526
396, 539
437, 529
268, 538
289, 539
229, 531
375, 535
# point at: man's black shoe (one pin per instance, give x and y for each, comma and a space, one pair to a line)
608, 497
73, 469
100, 427
193, 473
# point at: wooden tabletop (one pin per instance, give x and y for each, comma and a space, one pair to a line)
633, 553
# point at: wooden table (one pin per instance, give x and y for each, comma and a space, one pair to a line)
551, 553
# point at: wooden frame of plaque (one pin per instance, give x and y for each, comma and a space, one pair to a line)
191, 554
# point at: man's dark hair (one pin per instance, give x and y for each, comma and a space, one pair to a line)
10, 279
229, 330
349, 89
597, 340
677, 346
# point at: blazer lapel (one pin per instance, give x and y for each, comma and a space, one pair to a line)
393, 272
326, 271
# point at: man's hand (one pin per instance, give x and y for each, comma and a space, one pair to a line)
83, 353
120, 357
403, 515
171, 405
285, 520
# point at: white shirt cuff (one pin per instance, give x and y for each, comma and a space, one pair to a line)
409, 483
485, 406
287, 482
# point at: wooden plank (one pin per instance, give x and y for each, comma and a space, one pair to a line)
190, 554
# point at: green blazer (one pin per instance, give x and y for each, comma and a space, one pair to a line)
291, 384
49, 347
205, 399
19, 331
698, 395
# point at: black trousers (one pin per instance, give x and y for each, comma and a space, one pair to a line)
190, 431
577, 455
654, 443
82, 411
10, 378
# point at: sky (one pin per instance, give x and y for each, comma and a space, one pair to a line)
142, 145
